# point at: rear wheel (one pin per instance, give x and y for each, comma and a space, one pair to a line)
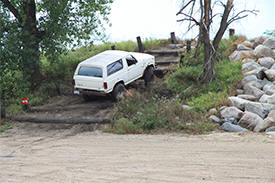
118, 92
148, 76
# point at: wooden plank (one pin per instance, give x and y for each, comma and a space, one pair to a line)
60, 120
165, 52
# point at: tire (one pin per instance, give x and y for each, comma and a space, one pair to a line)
118, 92
148, 76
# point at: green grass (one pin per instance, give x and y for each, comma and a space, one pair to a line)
4, 126
185, 82
149, 113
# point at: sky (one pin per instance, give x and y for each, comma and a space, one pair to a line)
155, 19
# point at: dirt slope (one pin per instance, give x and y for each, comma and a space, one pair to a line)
47, 153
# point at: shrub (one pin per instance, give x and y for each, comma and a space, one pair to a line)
146, 113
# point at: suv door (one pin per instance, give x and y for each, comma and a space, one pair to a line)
134, 68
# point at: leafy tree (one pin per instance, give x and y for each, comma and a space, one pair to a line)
29, 28
270, 32
201, 13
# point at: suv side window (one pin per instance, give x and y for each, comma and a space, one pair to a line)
114, 67
130, 60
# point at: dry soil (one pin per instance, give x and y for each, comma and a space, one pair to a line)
37, 153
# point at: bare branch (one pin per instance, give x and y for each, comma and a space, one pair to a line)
239, 15
184, 7
190, 18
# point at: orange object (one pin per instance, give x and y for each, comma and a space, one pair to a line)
130, 92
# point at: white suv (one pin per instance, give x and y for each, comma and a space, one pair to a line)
110, 71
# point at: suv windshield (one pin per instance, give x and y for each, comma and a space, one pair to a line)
90, 71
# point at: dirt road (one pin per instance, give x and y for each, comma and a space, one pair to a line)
35, 153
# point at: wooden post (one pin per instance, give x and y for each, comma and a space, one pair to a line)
2, 112
2, 107
140, 46
231, 32
188, 45
173, 38
113, 47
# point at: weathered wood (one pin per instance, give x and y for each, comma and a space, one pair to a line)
173, 38
140, 45
113, 47
165, 52
70, 108
231, 32
167, 62
2, 112
188, 45
60, 120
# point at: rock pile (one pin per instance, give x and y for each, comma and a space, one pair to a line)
254, 106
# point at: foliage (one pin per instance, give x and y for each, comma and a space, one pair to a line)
29, 29
146, 113
270, 32
4, 126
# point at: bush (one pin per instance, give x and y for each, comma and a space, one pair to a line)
148, 113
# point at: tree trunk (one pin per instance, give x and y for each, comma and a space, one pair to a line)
30, 40
209, 51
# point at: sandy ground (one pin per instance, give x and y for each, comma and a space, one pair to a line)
35, 153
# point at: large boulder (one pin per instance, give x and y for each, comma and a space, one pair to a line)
268, 107
267, 62
268, 122
264, 82
270, 129
231, 112
258, 72
270, 43
248, 79
263, 51
239, 55
250, 120
242, 47
252, 90
248, 44
249, 66
246, 60
237, 102
256, 108
270, 74
229, 127
268, 99
247, 97
272, 67
269, 89
215, 119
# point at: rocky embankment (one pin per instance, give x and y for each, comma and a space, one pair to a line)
253, 108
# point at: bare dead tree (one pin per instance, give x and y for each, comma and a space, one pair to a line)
200, 13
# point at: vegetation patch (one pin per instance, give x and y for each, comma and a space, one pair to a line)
149, 113
4, 126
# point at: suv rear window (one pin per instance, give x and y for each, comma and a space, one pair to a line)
90, 71
114, 67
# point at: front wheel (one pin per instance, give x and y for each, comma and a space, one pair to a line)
148, 76
118, 92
